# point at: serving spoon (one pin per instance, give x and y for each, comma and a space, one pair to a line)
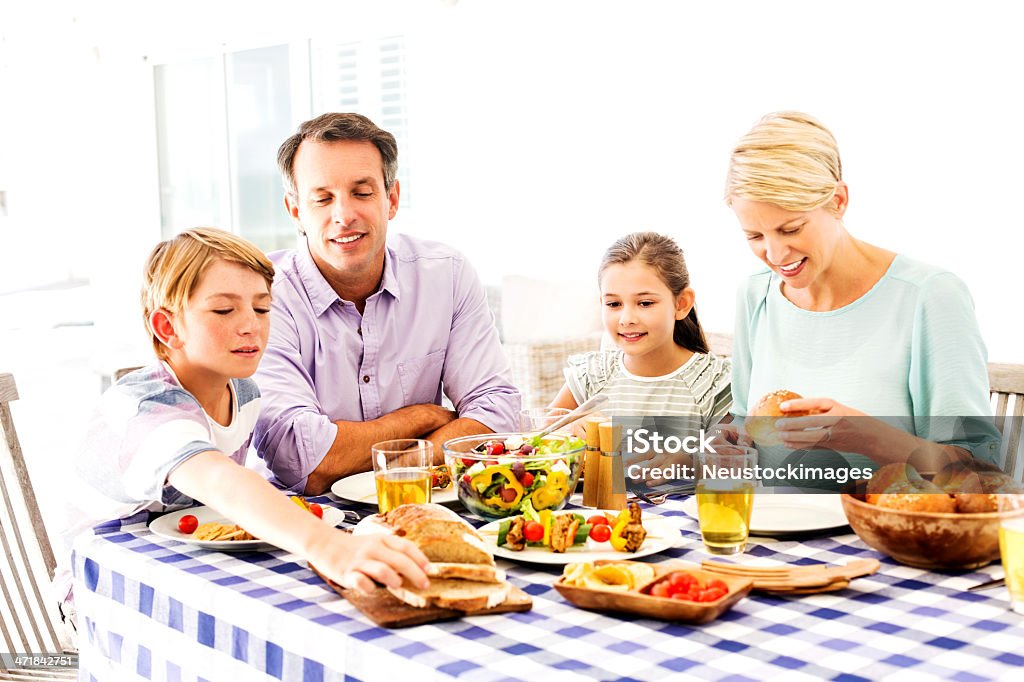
583, 410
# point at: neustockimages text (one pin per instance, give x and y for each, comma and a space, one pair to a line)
781, 474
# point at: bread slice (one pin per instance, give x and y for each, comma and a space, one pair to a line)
480, 573
460, 595
440, 533
448, 549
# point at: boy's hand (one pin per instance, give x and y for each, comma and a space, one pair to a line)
357, 561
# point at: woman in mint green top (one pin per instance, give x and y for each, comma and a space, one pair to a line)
858, 330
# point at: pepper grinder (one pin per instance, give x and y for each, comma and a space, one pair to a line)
592, 462
611, 492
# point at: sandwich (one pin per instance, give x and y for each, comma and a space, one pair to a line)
462, 573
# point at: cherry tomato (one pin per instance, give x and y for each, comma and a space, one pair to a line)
466, 478
716, 583
716, 593
533, 531
496, 448
602, 532
660, 589
681, 582
468, 461
598, 519
507, 494
526, 479
317, 510
187, 524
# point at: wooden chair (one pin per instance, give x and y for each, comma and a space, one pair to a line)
29, 620
1006, 384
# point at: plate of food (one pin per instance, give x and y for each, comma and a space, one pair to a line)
580, 536
207, 528
363, 487
784, 514
671, 590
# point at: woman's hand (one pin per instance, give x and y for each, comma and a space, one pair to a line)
356, 561
829, 426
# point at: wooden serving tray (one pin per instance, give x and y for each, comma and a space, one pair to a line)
661, 608
387, 611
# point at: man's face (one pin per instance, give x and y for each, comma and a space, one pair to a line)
342, 206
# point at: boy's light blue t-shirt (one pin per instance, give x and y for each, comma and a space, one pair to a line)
908, 349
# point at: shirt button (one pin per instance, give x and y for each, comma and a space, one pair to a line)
366, 379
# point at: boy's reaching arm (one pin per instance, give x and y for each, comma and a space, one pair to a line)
247, 499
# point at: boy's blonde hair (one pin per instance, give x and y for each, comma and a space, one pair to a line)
788, 159
175, 266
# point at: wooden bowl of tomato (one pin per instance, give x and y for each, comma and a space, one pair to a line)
679, 591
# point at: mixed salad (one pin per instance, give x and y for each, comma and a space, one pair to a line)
499, 475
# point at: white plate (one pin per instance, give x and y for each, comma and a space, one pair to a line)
781, 514
662, 534
362, 488
167, 527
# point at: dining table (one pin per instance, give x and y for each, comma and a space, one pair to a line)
152, 608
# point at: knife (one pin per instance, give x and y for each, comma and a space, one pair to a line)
998, 582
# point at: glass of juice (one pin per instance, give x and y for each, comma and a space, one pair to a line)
725, 497
401, 470
1011, 546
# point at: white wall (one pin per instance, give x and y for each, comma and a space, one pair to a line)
552, 128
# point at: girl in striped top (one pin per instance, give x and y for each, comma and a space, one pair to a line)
661, 365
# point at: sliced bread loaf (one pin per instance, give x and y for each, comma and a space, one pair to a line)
461, 595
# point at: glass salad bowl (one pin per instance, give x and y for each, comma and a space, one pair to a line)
497, 474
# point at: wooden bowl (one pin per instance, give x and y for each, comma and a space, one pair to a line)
661, 608
927, 539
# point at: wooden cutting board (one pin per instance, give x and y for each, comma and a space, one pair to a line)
387, 611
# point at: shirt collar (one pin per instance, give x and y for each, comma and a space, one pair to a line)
389, 282
322, 295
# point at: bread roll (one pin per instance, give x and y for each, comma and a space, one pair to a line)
921, 496
760, 425
891, 474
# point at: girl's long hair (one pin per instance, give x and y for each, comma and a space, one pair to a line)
665, 256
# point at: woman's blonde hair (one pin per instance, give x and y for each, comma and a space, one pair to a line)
788, 159
175, 266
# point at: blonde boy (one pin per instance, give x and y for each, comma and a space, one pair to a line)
178, 430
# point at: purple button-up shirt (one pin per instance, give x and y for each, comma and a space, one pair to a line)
427, 326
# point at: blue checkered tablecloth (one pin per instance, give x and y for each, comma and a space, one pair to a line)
156, 609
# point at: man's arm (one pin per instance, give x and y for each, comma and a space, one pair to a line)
476, 375
350, 451
460, 427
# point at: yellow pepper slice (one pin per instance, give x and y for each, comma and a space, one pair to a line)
484, 478
619, 542
554, 491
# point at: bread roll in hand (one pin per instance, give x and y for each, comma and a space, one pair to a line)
760, 425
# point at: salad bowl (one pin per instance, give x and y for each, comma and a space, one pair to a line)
497, 475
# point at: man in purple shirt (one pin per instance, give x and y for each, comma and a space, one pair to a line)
367, 329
